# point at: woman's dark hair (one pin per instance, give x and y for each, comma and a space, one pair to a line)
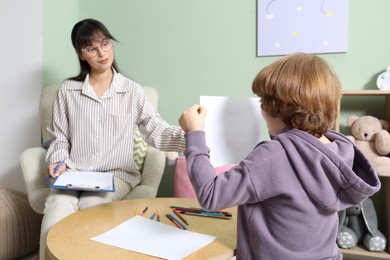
83, 34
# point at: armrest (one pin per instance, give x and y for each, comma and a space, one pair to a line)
141, 191
152, 172
34, 169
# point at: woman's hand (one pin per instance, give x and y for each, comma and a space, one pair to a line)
58, 172
193, 119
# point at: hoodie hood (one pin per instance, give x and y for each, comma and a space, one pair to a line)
334, 175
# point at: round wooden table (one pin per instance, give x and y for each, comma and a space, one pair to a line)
71, 237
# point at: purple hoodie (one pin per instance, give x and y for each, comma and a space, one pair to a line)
288, 192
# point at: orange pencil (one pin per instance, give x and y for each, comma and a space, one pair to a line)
174, 222
178, 214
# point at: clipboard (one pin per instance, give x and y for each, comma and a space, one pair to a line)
87, 181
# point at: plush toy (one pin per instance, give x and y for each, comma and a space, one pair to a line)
371, 136
359, 224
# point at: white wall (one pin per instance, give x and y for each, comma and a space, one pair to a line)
21, 73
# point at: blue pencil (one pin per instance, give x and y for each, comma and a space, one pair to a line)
58, 165
181, 224
56, 168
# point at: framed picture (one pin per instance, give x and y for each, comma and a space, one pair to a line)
309, 26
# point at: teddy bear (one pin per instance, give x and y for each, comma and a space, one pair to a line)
372, 137
359, 224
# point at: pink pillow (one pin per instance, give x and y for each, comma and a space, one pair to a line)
182, 187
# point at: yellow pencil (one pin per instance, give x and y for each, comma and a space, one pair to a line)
136, 212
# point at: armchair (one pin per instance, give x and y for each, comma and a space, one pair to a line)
34, 167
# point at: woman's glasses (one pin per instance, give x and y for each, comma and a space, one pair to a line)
92, 51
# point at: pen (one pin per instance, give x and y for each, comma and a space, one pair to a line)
174, 222
57, 166
158, 215
143, 212
175, 219
152, 216
178, 214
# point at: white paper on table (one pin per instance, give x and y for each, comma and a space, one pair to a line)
154, 238
233, 127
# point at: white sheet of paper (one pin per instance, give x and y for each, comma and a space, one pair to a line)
103, 180
154, 238
233, 127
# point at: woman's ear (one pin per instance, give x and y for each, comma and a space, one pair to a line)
80, 54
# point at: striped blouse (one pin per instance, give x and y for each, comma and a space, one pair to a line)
97, 133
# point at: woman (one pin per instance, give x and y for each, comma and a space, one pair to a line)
94, 117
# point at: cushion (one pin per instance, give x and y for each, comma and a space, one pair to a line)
19, 225
139, 150
182, 187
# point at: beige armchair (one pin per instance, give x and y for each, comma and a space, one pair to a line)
34, 167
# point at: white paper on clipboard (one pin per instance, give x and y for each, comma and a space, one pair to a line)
81, 180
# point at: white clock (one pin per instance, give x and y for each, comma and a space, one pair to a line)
383, 80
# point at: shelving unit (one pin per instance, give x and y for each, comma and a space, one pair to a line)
359, 252
370, 93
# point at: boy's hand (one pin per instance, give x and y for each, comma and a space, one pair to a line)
193, 119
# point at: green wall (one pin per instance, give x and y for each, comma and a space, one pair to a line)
58, 61
187, 48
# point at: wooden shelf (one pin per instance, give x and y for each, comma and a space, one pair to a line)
358, 252
366, 92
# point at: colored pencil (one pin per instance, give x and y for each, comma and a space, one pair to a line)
205, 215
175, 219
199, 209
158, 215
143, 212
202, 211
174, 222
220, 211
178, 214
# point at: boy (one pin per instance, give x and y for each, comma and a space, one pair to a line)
288, 190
